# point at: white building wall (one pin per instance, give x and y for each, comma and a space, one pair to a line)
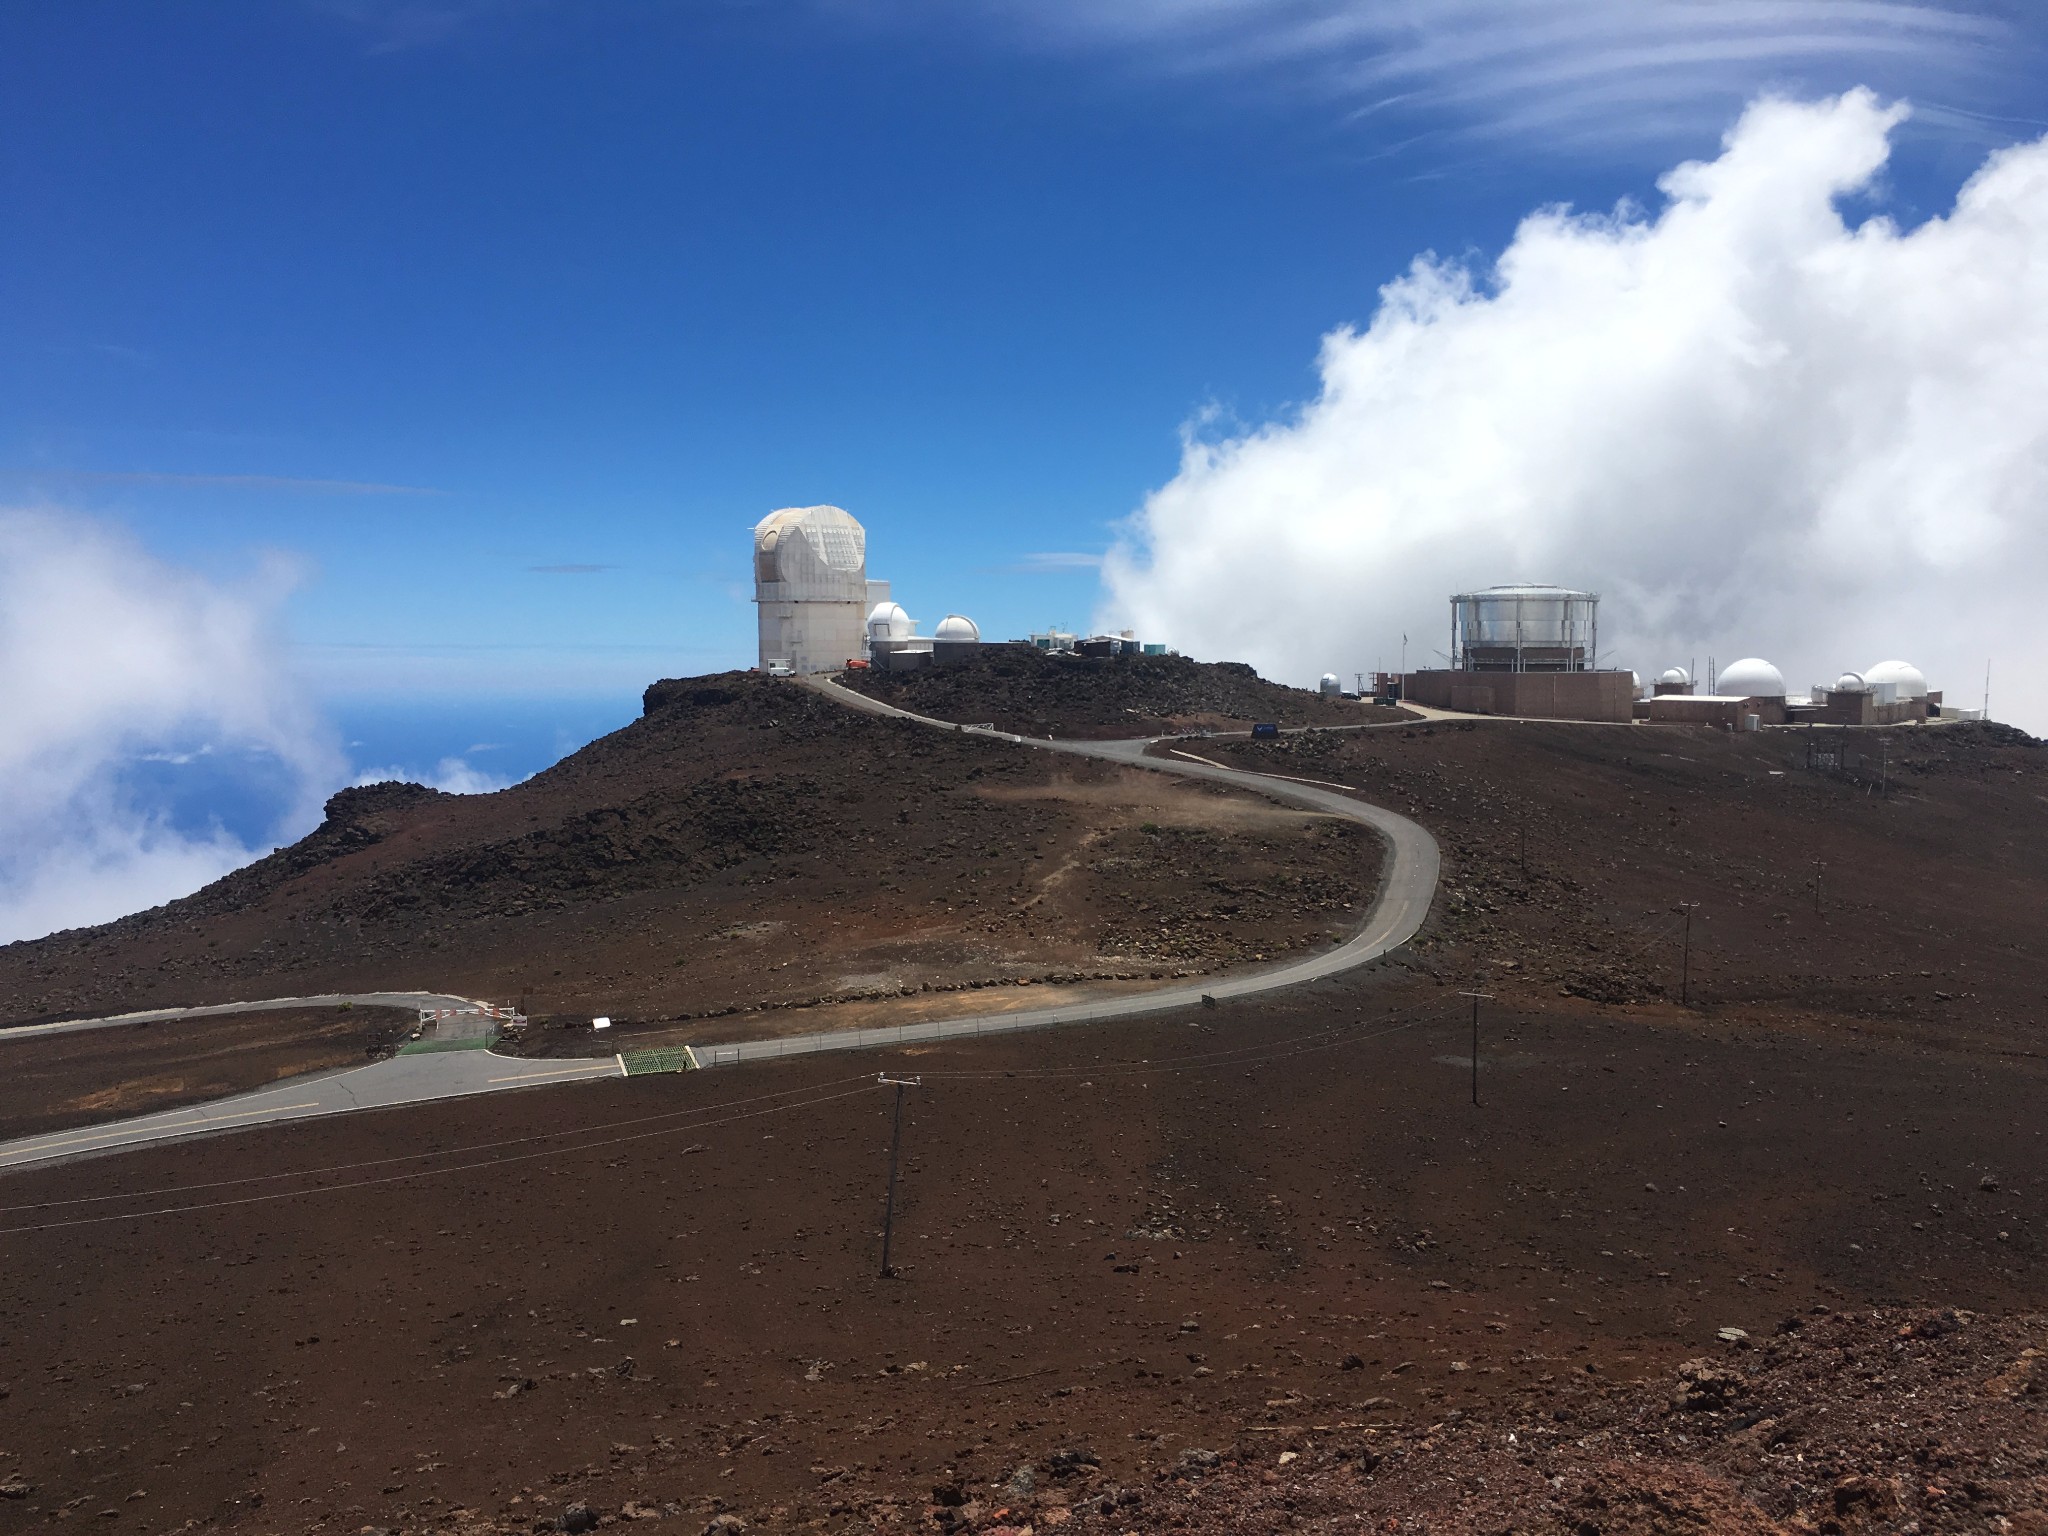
812, 637
810, 587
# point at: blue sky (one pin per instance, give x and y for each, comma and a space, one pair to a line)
489, 327
601, 283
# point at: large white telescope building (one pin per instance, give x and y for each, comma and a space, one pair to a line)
811, 588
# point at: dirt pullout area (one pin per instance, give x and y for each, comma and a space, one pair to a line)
1911, 899
1253, 1230
55, 1082
1019, 688
747, 844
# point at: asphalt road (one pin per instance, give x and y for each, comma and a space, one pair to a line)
378, 1085
209, 1010
1406, 890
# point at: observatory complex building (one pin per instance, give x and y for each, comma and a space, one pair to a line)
1530, 651
819, 612
812, 590
1533, 652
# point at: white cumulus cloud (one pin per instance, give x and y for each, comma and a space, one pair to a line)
110, 657
1756, 424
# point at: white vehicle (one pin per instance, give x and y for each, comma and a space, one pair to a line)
777, 667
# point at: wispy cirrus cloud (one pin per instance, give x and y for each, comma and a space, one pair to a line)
400, 26
1567, 71
1048, 562
241, 482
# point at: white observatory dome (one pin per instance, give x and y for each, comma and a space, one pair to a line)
1751, 678
888, 621
1676, 677
1911, 684
807, 547
957, 629
1851, 682
1330, 686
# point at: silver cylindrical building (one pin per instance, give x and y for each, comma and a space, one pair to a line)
1525, 629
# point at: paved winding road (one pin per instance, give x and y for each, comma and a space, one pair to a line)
377, 1085
213, 1010
1405, 893
1406, 889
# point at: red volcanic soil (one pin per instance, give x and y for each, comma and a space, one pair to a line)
1931, 884
1018, 688
1254, 1229
1797, 1432
1275, 1227
54, 1082
746, 845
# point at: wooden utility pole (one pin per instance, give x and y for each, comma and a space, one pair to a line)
895, 1147
1685, 961
1477, 999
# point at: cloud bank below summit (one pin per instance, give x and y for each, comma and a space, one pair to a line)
153, 734
1757, 427
113, 661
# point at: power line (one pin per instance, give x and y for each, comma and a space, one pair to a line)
1234, 1056
413, 1157
1238, 1056
424, 1173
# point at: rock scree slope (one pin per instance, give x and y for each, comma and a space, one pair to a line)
745, 845
1028, 692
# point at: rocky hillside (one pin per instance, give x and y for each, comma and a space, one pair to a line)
1882, 1421
1034, 693
746, 843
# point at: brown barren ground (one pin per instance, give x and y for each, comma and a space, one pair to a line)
1268, 1228
746, 845
1106, 1241
1017, 688
54, 1082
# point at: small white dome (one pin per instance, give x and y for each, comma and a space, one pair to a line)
957, 629
1330, 684
1910, 683
1751, 678
1677, 677
1851, 682
888, 621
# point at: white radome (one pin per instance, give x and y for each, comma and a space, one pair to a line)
1677, 677
1330, 683
1852, 682
1751, 678
888, 621
810, 544
958, 629
1909, 681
